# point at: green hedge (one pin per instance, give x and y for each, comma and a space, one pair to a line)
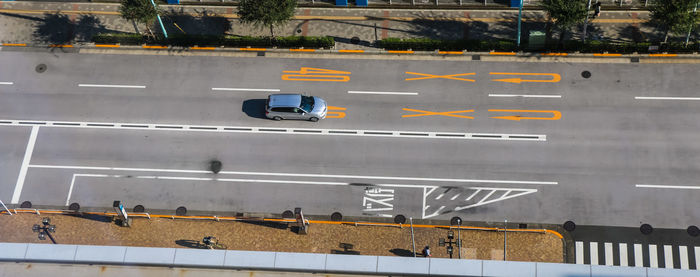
211, 40
426, 44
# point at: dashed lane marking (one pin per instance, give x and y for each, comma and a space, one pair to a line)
667, 187
273, 130
110, 86
6, 83
246, 89
382, 92
666, 98
526, 95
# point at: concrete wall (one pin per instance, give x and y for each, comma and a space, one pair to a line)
311, 262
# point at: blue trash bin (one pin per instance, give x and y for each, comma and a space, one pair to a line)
515, 3
361, 3
341, 2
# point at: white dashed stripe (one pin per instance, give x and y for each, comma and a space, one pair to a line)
668, 256
623, 254
593, 247
683, 252
608, 253
638, 255
579, 252
653, 258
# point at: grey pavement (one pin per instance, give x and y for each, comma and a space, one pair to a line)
66, 23
587, 169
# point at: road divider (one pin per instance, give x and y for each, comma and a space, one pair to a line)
275, 130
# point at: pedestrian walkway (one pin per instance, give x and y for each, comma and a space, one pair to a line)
638, 255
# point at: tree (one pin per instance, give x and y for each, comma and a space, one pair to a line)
266, 12
565, 13
675, 16
141, 11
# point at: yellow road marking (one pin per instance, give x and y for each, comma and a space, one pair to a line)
555, 77
302, 50
202, 48
663, 55
335, 112
426, 113
351, 51
554, 54
433, 76
607, 55
107, 45
502, 53
400, 52
316, 75
451, 52
556, 115
61, 45
252, 49
14, 44
155, 47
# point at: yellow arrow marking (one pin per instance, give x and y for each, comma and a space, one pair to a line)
426, 113
335, 114
555, 77
432, 76
556, 115
316, 75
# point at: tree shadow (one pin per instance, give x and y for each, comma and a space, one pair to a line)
401, 252
190, 243
60, 29
254, 108
204, 23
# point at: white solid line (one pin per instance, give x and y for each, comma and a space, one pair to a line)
668, 256
247, 89
109, 86
579, 252
382, 92
683, 252
306, 175
593, 247
526, 95
623, 254
6, 83
218, 180
667, 187
70, 190
665, 98
608, 253
653, 258
697, 257
638, 255
25, 165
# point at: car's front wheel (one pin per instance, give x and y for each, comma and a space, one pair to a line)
313, 119
277, 118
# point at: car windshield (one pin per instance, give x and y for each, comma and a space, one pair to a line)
307, 103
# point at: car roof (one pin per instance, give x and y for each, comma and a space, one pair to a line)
285, 100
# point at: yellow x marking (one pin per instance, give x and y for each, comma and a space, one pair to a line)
433, 76
426, 113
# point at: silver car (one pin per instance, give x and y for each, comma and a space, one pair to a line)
295, 106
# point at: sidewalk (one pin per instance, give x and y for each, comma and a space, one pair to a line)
352, 28
272, 236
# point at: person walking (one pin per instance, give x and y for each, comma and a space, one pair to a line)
426, 251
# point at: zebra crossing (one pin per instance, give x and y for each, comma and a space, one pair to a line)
638, 255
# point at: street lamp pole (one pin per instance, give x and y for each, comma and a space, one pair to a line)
160, 21
520, 18
505, 238
687, 38
585, 23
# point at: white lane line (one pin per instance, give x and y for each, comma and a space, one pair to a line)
668, 256
382, 92
593, 247
697, 257
667, 187
666, 98
304, 175
247, 89
25, 165
683, 252
579, 252
274, 130
653, 258
608, 253
109, 86
6, 83
623, 254
455, 197
439, 196
638, 255
472, 196
526, 95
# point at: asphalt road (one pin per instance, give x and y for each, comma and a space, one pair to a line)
92, 129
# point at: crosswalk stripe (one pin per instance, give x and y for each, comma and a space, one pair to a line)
653, 259
594, 253
683, 250
608, 253
579, 252
668, 256
638, 255
623, 254
697, 258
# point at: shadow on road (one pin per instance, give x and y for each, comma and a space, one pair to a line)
190, 243
401, 252
254, 108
